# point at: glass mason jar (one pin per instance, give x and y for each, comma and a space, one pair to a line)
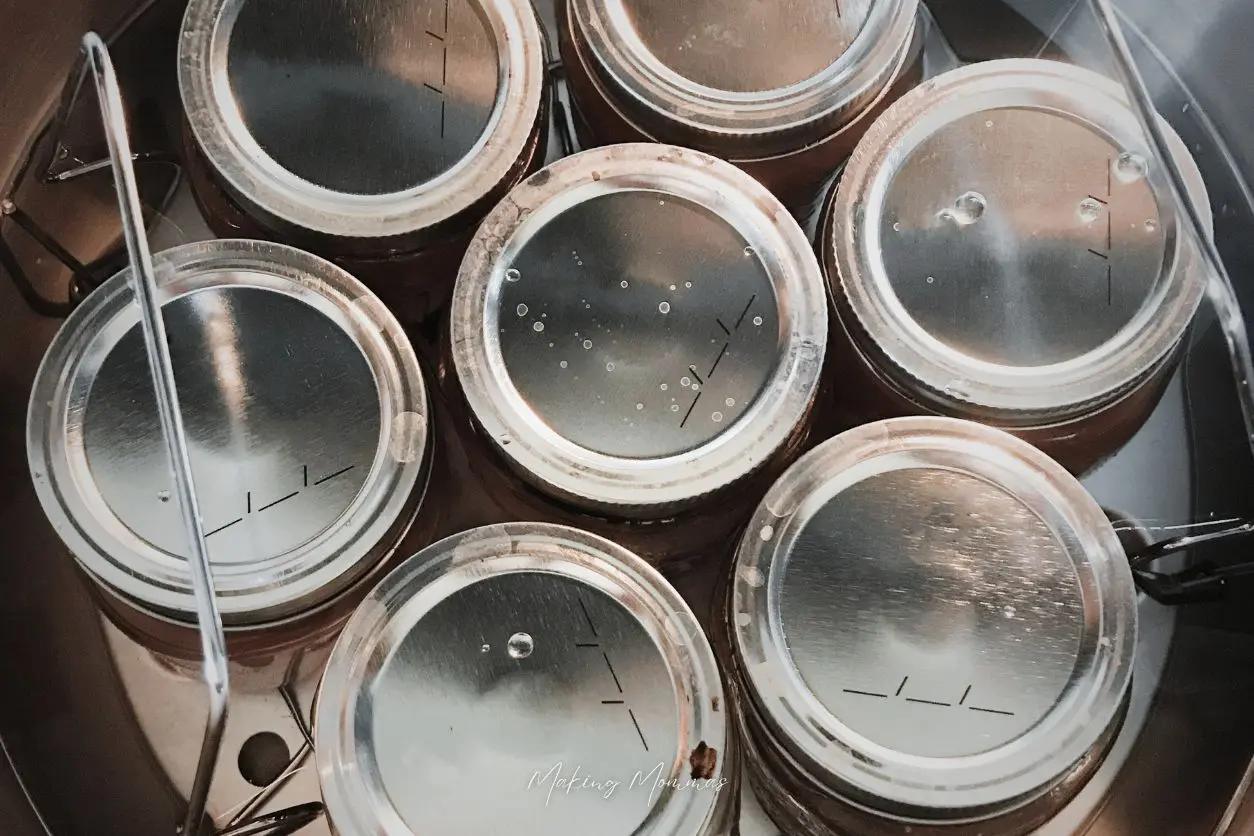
308, 430
929, 628
634, 347
785, 95
373, 132
544, 669
999, 249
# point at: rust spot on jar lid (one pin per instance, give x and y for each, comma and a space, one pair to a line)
703, 761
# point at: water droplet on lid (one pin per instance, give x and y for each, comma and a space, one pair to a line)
744, 619
1089, 210
897, 226
757, 320
587, 343
1151, 225
661, 203
687, 284
766, 533
550, 345
664, 387
674, 407
537, 326
749, 252
579, 263
1185, 109
163, 496
685, 381
931, 280
521, 645
754, 577
522, 310
664, 307
716, 417
1130, 167
1010, 611
639, 406
563, 364
609, 367
485, 648
968, 208
623, 284
672, 287
512, 275
730, 401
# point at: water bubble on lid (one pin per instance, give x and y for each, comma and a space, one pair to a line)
485, 648
664, 387
968, 208
1130, 167
716, 417
685, 382
897, 226
1089, 210
931, 280
757, 320
609, 367
674, 407
537, 326
587, 343
688, 284
563, 364
672, 287
766, 533
522, 310
696, 387
521, 645
664, 307
512, 275
639, 406
623, 284
730, 401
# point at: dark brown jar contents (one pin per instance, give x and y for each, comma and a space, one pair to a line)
1001, 248
309, 430
634, 347
783, 92
376, 133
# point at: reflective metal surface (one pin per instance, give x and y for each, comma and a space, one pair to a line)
305, 408
366, 96
638, 326
934, 620
365, 119
648, 308
552, 669
958, 224
949, 620
745, 47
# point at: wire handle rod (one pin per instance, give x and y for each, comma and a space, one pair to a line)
144, 286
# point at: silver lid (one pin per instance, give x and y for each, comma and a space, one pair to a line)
366, 118
934, 618
639, 325
1002, 238
306, 416
737, 68
526, 678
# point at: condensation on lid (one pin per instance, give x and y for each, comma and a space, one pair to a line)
528, 677
747, 67
639, 325
367, 118
1013, 246
943, 602
294, 401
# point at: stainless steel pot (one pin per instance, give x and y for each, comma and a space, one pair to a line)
78, 759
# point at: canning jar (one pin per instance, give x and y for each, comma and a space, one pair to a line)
307, 426
376, 133
930, 628
1002, 248
635, 344
783, 92
525, 678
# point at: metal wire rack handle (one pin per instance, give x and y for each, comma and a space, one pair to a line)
143, 283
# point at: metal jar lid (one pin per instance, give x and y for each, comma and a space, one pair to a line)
637, 326
742, 76
933, 618
306, 415
1002, 242
368, 119
527, 678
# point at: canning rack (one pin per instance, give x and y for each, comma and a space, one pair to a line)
1198, 582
